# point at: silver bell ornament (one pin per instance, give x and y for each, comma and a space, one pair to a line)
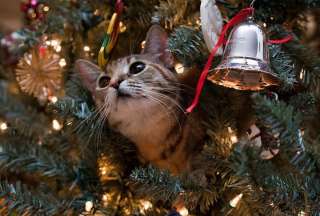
245, 64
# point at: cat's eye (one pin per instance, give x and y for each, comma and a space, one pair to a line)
103, 81
137, 67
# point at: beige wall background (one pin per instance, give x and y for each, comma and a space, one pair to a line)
10, 15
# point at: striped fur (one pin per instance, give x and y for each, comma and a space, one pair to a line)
147, 107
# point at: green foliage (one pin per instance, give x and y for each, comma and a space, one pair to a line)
188, 46
283, 66
21, 201
159, 185
59, 170
280, 120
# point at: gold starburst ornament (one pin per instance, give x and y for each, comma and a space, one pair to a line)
39, 72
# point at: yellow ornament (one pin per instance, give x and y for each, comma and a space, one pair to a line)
39, 72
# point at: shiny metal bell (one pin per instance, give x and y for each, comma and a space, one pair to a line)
245, 64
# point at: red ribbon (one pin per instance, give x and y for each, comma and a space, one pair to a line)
239, 17
281, 41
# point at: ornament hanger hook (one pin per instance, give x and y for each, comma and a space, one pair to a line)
252, 3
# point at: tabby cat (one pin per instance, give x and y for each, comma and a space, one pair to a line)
141, 97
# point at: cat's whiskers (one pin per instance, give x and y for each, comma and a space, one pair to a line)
167, 109
89, 120
160, 98
172, 100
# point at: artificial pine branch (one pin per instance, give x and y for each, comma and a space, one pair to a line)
283, 66
280, 120
17, 199
188, 46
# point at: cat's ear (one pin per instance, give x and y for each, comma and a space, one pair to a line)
157, 45
89, 73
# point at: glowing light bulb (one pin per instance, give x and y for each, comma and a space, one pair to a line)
106, 197
302, 74
88, 206
53, 99
179, 68
62, 62
122, 26
56, 125
103, 170
183, 211
3, 126
234, 202
86, 48
143, 44
145, 204
302, 213
46, 8
58, 48
234, 139
54, 42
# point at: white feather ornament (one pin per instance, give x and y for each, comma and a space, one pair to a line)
211, 23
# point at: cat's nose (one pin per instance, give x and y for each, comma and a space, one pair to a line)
115, 83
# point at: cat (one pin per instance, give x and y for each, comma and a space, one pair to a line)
142, 98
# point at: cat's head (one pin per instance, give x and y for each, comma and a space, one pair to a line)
136, 83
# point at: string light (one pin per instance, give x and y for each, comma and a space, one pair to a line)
62, 62
302, 213
54, 43
145, 205
179, 68
3, 126
122, 26
56, 125
46, 8
88, 206
234, 202
183, 211
58, 48
143, 44
233, 137
86, 48
53, 99
302, 74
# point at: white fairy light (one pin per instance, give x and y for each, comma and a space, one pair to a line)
302, 213
58, 48
233, 137
54, 43
88, 206
143, 44
123, 27
146, 204
3, 126
62, 62
56, 125
179, 68
53, 99
234, 202
86, 48
183, 211
46, 8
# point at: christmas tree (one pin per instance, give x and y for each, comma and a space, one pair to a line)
261, 149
